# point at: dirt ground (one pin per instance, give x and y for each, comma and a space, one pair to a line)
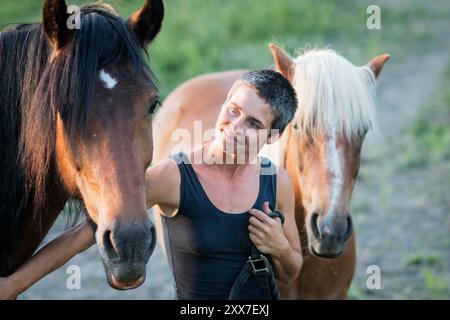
402, 217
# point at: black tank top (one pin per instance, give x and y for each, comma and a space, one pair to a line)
206, 247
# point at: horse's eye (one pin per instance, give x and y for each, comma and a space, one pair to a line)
155, 104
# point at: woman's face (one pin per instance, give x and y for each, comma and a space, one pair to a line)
244, 122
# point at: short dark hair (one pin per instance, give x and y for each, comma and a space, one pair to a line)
276, 90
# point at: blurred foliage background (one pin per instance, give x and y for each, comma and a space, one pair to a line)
201, 36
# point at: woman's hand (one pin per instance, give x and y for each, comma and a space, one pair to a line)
267, 233
7, 291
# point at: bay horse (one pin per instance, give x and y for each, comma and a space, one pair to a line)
320, 150
76, 110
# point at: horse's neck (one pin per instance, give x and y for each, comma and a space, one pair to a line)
290, 158
34, 228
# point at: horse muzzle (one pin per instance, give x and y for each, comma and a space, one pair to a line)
125, 250
327, 237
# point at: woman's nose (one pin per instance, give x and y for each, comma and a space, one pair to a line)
236, 126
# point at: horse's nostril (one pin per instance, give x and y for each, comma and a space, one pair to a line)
349, 230
314, 224
108, 244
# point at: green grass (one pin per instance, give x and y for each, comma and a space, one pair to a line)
432, 281
356, 293
201, 36
422, 259
429, 135
436, 286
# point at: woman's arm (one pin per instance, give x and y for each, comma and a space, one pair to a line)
55, 254
162, 183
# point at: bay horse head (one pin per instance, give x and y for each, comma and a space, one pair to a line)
104, 145
322, 149
91, 118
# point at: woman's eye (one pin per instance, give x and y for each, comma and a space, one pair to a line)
254, 125
155, 104
233, 110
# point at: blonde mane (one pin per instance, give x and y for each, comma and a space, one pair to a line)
334, 95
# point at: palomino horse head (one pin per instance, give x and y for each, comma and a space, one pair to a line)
336, 109
102, 95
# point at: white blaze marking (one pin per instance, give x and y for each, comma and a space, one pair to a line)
109, 81
335, 169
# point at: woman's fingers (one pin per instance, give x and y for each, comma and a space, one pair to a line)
255, 231
266, 208
261, 216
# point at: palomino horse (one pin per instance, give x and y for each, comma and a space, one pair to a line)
76, 109
320, 149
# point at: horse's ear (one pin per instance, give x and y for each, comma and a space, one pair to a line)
377, 63
54, 23
283, 61
146, 22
